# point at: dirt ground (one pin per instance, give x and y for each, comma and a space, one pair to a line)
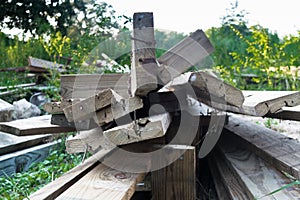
286, 127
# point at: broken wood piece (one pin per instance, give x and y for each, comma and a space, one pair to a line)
57, 107
40, 65
276, 149
32, 126
144, 66
80, 86
184, 55
87, 107
286, 113
85, 141
61, 184
145, 129
118, 109
207, 88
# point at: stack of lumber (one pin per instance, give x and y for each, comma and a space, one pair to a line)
142, 111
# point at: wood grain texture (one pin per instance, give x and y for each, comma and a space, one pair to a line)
57, 107
259, 177
276, 149
84, 109
145, 129
143, 63
21, 160
86, 85
55, 188
177, 180
32, 126
183, 55
11, 143
118, 109
206, 88
287, 113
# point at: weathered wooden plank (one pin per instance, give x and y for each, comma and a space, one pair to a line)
86, 108
11, 143
143, 63
85, 141
21, 160
177, 180
259, 177
6, 110
103, 183
276, 149
55, 188
117, 109
235, 187
40, 65
32, 126
206, 88
57, 107
86, 85
61, 120
287, 113
145, 129
184, 55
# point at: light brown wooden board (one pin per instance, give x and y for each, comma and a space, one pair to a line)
11, 143
259, 177
21, 160
278, 150
183, 55
145, 129
86, 85
57, 107
32, 126
84, 109
176, 181
143, 63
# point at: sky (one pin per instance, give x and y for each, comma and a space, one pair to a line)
187, 16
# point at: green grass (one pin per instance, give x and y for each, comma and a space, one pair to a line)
21, 185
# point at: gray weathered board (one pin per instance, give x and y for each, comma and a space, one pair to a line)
86, 85
287, 113
11, 143
258, 178
6, 110
21, 160
32, 126
280, 151
40, 65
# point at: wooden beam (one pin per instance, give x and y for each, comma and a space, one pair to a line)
87, 107
40, 65
145, 129
287, 113
276, 149
32, 126
61, 120
177, 180
85, 141
85, 85
117, 109
21, 160
184, 55
259, 177
11, 143
144, 66
55, 188
57, 107
207, 88
103, 183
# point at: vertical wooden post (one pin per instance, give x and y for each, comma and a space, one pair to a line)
143, 67
176, 181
